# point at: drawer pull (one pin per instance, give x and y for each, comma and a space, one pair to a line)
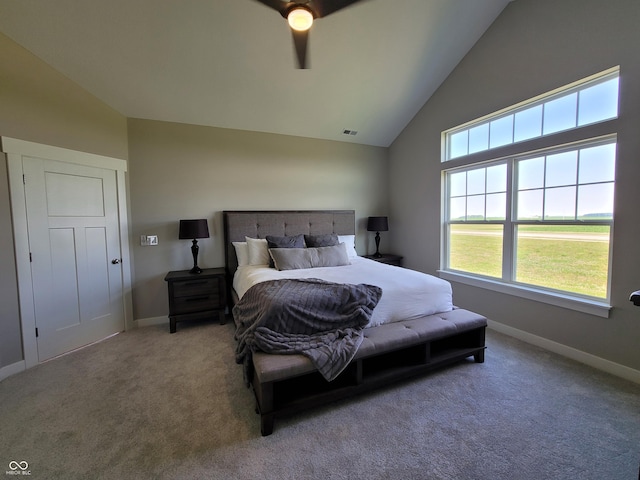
196, 299
201, 282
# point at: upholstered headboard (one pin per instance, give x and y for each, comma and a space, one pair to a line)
258, 224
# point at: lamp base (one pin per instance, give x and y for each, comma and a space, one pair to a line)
194, 252
377, 254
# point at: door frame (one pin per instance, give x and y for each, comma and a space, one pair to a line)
15, 150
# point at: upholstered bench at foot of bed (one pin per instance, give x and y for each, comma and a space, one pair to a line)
377, 340
435, 340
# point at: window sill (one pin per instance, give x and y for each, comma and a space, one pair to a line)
592, 307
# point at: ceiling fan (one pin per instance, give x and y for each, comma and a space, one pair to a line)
300, 15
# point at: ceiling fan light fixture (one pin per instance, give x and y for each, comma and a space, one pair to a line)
300, 19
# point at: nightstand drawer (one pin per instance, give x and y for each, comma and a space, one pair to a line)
200, 286
196, 303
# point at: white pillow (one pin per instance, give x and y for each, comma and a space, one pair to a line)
242, 253
258, 251
350, 243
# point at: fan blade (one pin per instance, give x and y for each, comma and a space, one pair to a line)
322, 8
319, 9
300, 40
278, 5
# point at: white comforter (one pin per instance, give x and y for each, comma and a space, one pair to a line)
406, 293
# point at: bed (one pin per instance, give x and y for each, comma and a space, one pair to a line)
391, 323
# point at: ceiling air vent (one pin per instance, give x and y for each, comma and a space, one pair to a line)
349, 132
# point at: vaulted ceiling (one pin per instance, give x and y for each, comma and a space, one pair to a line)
230, 63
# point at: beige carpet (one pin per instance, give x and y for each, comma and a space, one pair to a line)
147, 404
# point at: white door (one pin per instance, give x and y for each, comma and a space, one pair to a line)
74, 243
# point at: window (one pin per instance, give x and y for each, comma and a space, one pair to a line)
590, 101
538, 220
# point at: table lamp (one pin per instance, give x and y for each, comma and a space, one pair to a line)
194, 229
377, 224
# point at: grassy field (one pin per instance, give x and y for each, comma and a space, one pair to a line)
577, 264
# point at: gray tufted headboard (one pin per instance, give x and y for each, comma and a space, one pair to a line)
258, 224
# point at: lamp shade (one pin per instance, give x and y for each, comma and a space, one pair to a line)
192, 229
377, 224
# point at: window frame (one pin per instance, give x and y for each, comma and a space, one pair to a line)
593, 134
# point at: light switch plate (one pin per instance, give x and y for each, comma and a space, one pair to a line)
148, 240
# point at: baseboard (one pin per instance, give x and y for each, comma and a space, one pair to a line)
12, 369
578, 355
147, 322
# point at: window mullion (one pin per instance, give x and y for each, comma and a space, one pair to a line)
575, 215
445, 237
508, 240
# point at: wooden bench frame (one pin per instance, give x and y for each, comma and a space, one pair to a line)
286, 391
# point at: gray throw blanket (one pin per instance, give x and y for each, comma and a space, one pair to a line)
318, 319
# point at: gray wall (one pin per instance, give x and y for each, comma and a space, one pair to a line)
534, 46
185, 171
40, 105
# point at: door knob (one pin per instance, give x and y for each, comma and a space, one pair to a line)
116, 261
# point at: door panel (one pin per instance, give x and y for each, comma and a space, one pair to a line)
63, 191
97, 298
64, 312
72, 218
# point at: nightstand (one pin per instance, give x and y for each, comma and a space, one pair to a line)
389, 258
196, 296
